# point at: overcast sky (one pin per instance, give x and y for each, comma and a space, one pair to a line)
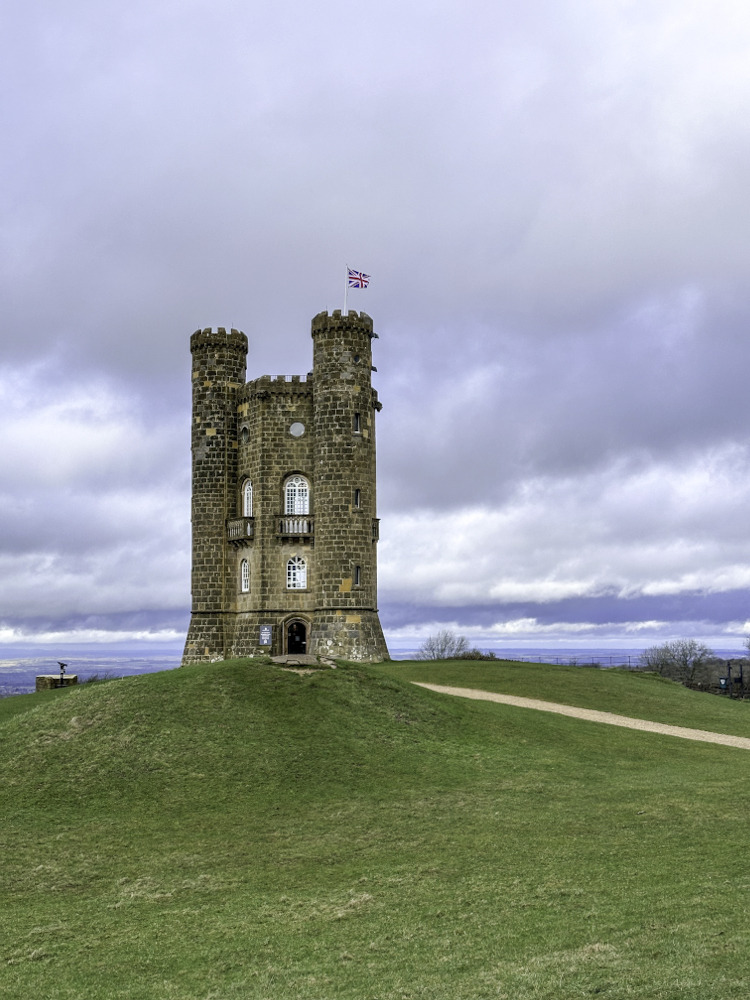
553, 201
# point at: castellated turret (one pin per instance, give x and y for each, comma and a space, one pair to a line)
284, 515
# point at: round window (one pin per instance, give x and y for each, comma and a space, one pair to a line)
244, 435
297, 429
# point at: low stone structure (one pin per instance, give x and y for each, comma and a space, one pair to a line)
46, 682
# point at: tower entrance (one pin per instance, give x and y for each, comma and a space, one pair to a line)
296, 637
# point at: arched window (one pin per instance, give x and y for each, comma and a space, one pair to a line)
247, 499
296, 573
245, 576
297, 496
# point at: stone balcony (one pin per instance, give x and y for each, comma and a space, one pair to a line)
300, 526
240, 530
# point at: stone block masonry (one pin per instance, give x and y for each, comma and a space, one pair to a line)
48, 682
284, 509
218, 372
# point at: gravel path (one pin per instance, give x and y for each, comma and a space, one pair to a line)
593, 716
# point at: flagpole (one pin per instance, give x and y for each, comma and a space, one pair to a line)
346, 288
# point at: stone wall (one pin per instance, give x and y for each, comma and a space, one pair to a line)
345, 406
48, 682
218, 373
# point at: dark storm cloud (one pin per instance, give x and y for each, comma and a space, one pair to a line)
551, 199
482, 408
725, 608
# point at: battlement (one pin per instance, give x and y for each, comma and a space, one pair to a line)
279, 384
207, 338
337, 320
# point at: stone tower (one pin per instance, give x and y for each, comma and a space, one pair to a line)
284, 508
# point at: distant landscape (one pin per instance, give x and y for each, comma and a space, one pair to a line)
18, 672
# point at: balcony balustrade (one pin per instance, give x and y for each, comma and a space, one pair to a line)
296, 526
240, 530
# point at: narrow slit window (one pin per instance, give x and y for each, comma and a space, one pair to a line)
357, 576
357, 423
247, 499
245, 576
358, 498
296, 573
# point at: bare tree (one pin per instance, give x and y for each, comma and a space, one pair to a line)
443, 645
655, 658
684, 660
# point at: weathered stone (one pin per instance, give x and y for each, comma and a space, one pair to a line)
46, 682
252, 431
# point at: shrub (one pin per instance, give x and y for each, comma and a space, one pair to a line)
445, 645
473, 654
99, 678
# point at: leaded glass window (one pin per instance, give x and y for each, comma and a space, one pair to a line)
297, 496
296, 573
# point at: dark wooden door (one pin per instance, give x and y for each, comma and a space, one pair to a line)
296, 638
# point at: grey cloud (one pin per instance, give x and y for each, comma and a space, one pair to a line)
656, 529
485, 162
94, 500
551, 199
470, 413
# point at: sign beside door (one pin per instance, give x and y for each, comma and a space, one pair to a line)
266, 635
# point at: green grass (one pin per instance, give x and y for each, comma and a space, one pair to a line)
20, 703
233, 831
625, 692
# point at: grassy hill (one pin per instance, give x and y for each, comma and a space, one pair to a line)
626, 692
235, 831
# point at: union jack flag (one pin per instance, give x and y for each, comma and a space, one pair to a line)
357, 279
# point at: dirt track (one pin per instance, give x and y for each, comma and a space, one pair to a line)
590, 715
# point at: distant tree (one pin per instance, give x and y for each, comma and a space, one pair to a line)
684, 660
654, 658
443, 645
746, 644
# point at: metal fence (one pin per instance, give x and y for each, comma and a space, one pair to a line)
614, 660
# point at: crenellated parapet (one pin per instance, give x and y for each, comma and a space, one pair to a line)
337, 321
207, 338
267, 385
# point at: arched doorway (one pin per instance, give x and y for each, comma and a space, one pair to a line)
296, 637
